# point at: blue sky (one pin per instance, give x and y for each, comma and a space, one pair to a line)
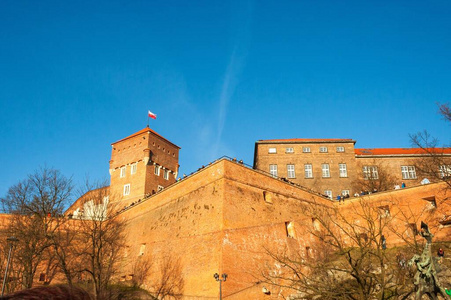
76, 76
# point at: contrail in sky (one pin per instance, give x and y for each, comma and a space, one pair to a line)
242, 32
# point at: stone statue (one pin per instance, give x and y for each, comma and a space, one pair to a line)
426, 281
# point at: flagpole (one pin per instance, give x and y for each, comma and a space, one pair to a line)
148, 117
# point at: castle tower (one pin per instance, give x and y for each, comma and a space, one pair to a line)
141, 164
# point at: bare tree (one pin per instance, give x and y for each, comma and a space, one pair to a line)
374, 176
36, 204
141, 271
168, 284
436, 163
65, 245
347, 258
445, 111
101, 236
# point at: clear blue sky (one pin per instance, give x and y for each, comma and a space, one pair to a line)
76, 76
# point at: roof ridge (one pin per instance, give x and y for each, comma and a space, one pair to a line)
144, 130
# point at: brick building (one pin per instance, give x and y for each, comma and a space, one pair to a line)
142, 164
223, 217
333, 166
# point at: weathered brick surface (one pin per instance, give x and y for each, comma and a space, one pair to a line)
224, 218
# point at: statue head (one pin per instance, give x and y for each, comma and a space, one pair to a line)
424, 232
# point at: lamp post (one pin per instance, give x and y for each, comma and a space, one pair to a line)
224, 278
11, 241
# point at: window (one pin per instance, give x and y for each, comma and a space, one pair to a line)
370, 172
289, 150
157, 170
267, 197
445, 171
384, 211
272, 150
289, 226
325, 170
323, 149
308, 251
340, 149
306, 149
408, 172
127, 189
343, 170
166, 174
316, 224
123, 171
345, 192
142, 249
308, 170
328, 193
133, 168
431, 202
290, 171
273, 170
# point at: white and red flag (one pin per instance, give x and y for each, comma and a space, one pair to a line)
152, 115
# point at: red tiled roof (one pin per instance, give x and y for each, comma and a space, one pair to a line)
402, 151
307, 140
146, 129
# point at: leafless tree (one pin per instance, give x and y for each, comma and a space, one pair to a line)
168, 283
101, 236
374, 176
347, 258
436, 163
141, 271
445, 111
36, 204
65, 245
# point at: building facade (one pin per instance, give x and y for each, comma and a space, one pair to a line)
224, 217
142, 164
334, 167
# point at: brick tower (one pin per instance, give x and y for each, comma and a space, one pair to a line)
142, 163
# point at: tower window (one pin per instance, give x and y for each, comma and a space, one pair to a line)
127, 189
166, 174
340, 149
123, 171
133, 168
157, 170
306, 149
272, 150
323, 149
